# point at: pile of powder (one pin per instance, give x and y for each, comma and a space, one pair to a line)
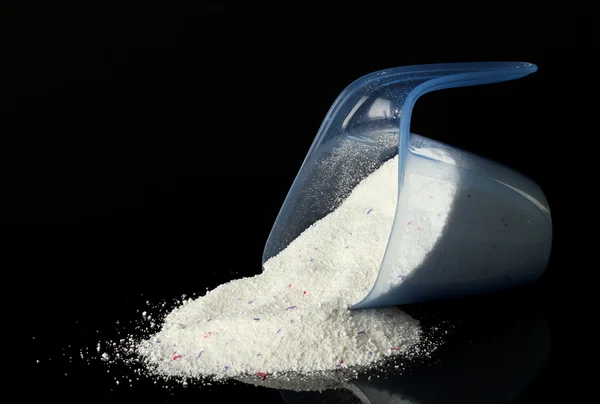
294, 316
430, 203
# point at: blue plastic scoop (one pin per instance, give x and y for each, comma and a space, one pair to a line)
498, 233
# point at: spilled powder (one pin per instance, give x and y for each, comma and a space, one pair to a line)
294, 316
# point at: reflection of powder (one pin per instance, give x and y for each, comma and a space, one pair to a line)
369, 395
298, 319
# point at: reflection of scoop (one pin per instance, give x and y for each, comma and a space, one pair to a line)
498, 230
495, 363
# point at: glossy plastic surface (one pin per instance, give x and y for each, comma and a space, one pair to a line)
498, 232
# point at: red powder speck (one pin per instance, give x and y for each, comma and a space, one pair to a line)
261, 375
305, 292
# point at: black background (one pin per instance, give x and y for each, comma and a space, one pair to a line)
147, 151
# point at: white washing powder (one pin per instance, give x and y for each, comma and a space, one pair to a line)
294, 316
429, 203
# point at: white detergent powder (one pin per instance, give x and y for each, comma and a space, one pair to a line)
294, 316
429, 205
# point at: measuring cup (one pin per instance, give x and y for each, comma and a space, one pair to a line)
498, 229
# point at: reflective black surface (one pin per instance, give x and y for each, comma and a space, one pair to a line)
495, 353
